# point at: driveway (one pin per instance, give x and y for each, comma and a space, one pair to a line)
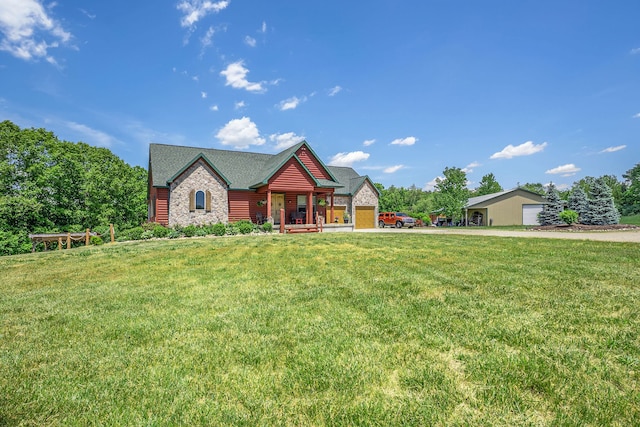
605, 236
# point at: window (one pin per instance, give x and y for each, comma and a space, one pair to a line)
199, 199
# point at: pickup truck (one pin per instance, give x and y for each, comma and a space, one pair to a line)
395, 219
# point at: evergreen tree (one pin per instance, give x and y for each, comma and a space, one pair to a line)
602, 210
550, 215
579, 202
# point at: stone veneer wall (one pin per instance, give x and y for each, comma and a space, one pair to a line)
198, 177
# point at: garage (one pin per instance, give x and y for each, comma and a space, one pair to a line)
530, 214
365, 217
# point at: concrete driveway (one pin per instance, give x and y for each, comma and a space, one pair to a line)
605, 236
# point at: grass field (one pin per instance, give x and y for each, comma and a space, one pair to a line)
326, 329
632, 219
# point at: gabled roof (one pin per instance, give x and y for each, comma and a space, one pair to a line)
479, 200
241, 170
350, 179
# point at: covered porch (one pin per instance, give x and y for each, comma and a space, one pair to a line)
297, 207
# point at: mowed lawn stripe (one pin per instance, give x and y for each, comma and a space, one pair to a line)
324, 329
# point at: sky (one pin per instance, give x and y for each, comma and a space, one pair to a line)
531, 91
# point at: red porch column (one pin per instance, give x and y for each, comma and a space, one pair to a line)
309, 219
269, 217
331, 216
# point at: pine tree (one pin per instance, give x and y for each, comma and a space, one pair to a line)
602, 209
579, 202
550, 215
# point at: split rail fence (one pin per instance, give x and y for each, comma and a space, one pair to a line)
66, 238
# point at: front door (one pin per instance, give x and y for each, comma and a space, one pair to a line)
277, 203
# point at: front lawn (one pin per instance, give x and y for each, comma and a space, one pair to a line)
326, 329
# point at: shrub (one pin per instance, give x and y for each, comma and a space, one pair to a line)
96, 240
218, 229
569, 216
244, 226
201, 231
267, 227
160, 231
102, 230
131, 234
147, 234
149, 226
174, 234
190, 230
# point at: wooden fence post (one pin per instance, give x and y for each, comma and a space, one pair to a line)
59, 243
112, 232
86, 238
68, 240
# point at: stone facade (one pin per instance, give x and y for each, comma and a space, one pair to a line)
366, 196
198, 177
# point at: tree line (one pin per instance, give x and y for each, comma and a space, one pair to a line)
48, 185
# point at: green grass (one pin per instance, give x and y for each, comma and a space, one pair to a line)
632, 219
326, 329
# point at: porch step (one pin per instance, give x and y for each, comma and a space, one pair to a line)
303, 229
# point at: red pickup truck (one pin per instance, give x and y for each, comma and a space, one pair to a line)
395, 219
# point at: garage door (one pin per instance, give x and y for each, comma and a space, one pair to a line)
530, 214
365, 217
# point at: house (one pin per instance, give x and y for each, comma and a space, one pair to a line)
191, 185
510, 207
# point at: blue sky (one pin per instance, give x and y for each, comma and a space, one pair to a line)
531, 91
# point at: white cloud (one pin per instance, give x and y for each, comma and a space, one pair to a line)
526, 149
203, 95
285, 140
250, 41
239, 105
393, 169
613, 149
335, 90
636, 116
195, 10
28, 32
368, 142
291, 103
214, 108
207, 40
635, 51
240, 133
236, 77
92, 136
469, 168
263, 28
564, 170
410, 140
431, 185
348, 159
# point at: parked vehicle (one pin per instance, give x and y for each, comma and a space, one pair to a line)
395, 219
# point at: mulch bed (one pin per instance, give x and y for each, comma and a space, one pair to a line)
583, 227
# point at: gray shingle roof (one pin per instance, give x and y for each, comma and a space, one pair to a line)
241, 170
473, 201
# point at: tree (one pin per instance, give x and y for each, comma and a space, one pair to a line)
451, 194
550, 214
48, 185
488, 185
579, 202
535, 188
630, 200
602, 210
